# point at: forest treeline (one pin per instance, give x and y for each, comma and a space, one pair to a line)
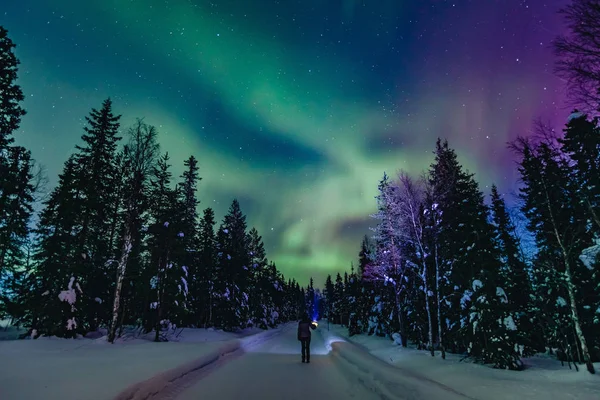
447, 270
119, 240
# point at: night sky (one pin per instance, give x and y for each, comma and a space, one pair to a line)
295, 108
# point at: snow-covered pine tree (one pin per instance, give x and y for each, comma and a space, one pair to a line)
310, 299
467, 254
514, 272
259, 281
338, 299
560, 234
275, 290
53, 254
167, 249
203, 284
353, 301
233, 261
581, 143
190, 257
366, 292
329, 296
97, 167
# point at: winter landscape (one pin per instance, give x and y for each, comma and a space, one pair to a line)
193, 193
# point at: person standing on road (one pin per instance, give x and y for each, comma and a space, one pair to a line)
304, 334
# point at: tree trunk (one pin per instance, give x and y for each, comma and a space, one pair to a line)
403, 338
121, 268
570, 287
439, 304
428, 309
575, 317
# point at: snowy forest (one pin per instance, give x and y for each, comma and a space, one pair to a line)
119, 241
451, 269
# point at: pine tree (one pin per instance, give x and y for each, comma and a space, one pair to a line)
54, 252
232, 259
97, 167
329, 298
559, 231
11, 94
16, 189
338, 299
190, 226
16, 198
479, 320
260, 281
167, 250
310, 299
203, 284
513, 274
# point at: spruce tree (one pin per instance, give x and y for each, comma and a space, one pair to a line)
338, 299
203, 284
16, 189
11, 94
260, 280
96, 159
233, 261
54, 252
559, 230
514, 271
189, 202
167, 250
479, 319
329, 298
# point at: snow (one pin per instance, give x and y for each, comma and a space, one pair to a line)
544, 378
561, 302
509, 323
90, 369
502, 294
211, 364
477, 285
589, 255
69, 295
575, 115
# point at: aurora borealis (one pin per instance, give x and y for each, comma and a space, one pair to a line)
295, 108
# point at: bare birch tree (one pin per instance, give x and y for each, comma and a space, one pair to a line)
140, 154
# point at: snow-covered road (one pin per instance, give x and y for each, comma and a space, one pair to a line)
273, 370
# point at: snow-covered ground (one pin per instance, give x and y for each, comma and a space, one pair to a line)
9, 332
210, 364
544, 378
90, 369
273, 370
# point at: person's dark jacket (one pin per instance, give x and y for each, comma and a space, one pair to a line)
304, 327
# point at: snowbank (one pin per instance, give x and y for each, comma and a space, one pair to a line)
53, 368
383, 379
544, 378
9, 332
